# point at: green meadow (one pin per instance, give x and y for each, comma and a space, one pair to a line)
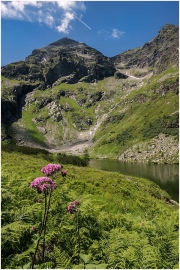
125, 222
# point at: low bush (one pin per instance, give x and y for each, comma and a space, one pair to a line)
60, 157
167, 124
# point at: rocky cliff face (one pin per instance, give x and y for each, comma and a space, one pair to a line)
157, 55
62, 61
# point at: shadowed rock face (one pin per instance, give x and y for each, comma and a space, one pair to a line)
11, 110
65, 60
158, 54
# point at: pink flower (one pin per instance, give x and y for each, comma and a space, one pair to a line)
40, 200
72, 208
64, 173
54, 185
76, 202
43, 184
39, 181
45, 187
50, 169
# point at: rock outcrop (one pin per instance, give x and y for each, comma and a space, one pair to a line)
158, 54
161, 149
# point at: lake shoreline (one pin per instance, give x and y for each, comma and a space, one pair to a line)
164, 175
135, 161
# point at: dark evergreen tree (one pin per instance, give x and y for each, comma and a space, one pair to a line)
86, 157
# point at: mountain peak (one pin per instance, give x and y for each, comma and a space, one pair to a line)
168, 28
64, 42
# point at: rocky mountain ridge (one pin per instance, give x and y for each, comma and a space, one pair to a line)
68, 96
157, 54
65, 60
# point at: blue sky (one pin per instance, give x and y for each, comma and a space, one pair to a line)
111, 27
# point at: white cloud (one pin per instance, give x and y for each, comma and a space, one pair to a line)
80, 5
54, 14
104, 33
117, 33
71, 5
17, 9
45, 18
66, 5
49, 20
65, 23
19, 6
6, 12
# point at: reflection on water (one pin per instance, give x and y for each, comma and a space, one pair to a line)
165, 175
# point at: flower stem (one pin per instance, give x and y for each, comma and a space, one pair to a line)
41, 230
44, 222
78, 235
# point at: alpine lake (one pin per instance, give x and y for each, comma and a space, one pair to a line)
164, 175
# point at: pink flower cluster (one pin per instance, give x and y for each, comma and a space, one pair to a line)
64, 173
50, 169
72, 208
43, 184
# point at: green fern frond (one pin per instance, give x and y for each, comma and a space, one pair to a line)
62, 259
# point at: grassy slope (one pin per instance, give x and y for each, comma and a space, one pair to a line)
142, 108
74, 115
138, 114
125, 221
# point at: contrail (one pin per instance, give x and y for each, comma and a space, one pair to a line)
82, 22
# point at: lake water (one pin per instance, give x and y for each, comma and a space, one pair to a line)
165, 175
